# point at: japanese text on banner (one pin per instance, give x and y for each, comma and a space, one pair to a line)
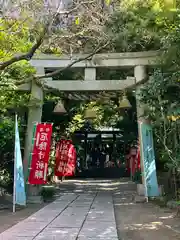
40, 154
149, 163
65, 158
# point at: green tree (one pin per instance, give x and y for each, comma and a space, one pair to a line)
161, 96
133, 26
50, 29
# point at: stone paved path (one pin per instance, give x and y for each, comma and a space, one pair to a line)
77, 216
85, 211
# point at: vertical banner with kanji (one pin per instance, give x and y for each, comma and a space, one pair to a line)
148, 160
40, 154
19, 194
65, 158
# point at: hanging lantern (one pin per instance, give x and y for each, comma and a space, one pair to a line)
90, 114
59, 108
124, 103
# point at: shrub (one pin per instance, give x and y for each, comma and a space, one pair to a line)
48, 193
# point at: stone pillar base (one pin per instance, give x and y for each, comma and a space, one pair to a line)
34, 195
140, 199
34, 199
140, 189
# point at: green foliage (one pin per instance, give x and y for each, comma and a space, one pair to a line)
106, 115
161, 98
154, 25
48, 193
135, 26
143, 25
7, 150
14, 38
51, 162
135, 29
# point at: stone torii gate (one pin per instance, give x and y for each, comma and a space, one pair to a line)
137, 60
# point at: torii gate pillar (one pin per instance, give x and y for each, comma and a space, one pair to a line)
34, 116
140, 74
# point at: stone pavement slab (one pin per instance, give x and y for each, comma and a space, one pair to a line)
73, 216
100, 221
103, 230
89, 215
96, 238
29, 228
58, 234
18, 238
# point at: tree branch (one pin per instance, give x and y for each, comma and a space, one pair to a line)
56, 72
27, 56
39, 79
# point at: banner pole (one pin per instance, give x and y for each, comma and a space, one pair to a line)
14, 184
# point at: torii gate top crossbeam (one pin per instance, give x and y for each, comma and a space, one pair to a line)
129, 59
136, 60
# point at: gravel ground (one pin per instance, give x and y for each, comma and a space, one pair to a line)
143, 221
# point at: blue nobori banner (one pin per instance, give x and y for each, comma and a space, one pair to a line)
148, 160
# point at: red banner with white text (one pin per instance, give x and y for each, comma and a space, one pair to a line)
40, 154
65, 158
